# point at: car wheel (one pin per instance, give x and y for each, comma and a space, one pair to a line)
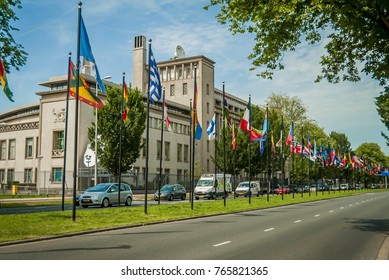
105, 202
84, 206
171, 197
183, 197
128, 201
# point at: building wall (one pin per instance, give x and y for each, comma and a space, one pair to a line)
177, 77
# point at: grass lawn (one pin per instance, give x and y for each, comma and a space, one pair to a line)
35, 225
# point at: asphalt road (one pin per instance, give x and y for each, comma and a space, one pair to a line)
350, 228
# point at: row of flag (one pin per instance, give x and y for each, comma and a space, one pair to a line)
328, 156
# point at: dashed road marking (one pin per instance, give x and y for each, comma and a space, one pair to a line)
297, 221
220, 244
317, 215
269, 229
331, 211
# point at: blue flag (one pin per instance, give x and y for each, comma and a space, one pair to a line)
265, 131
211, 131
155, 81
86, 52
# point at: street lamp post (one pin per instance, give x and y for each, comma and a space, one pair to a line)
97, 88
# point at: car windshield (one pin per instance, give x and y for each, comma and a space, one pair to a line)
166, 188
204, 183
243, 185
99, 188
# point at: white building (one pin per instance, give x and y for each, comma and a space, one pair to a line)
32, 137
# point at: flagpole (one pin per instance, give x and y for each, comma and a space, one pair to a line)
120, 138
309, 163
147, 134
282, 151
302, 158
194, 112
267, 150
76, 115
190, 153
161, 147
215, 145
66, 135
224, 145
249, 146
292, 173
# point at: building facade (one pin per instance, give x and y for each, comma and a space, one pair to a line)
32, 137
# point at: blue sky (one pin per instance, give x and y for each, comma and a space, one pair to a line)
48, 32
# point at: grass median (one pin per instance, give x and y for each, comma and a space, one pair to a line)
37, 225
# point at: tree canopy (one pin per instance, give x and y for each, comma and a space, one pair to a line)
357, 40
11, 52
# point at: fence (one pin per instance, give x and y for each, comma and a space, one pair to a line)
47, 183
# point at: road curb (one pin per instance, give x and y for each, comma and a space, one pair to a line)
383, 253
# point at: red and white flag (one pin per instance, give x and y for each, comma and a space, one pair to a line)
168, 123
245, 122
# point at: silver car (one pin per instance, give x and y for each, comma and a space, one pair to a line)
106, 194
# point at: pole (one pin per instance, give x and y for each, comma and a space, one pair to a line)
161, 147
224, 145
120, 139
309, 164
249, 147
97, 88
147, 134
282, 151
76, 116
195, 119
66, 135
292, 173
190, 153
215, 147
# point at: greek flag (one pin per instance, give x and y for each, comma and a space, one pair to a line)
155, 81
211, 130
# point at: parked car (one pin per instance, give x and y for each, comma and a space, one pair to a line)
282, 190
243, 189
106, 194
170, 192
344, 186
78, 197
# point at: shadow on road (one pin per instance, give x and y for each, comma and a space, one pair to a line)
374, 225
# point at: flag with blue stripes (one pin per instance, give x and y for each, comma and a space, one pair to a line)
155, 81
211, 131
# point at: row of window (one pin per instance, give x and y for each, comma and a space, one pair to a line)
182, 151
184, 89
9, 175
58, 145
177, 127
11, 155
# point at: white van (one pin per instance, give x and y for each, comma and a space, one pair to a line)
208, 187
243, 189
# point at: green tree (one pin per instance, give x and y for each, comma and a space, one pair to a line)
109, 123
340, 142
11, 52
372, 154
355, 42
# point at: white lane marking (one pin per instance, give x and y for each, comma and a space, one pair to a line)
317, 215
298, 221
350, 205
220, 244
342, 207
331, 211
269, 229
